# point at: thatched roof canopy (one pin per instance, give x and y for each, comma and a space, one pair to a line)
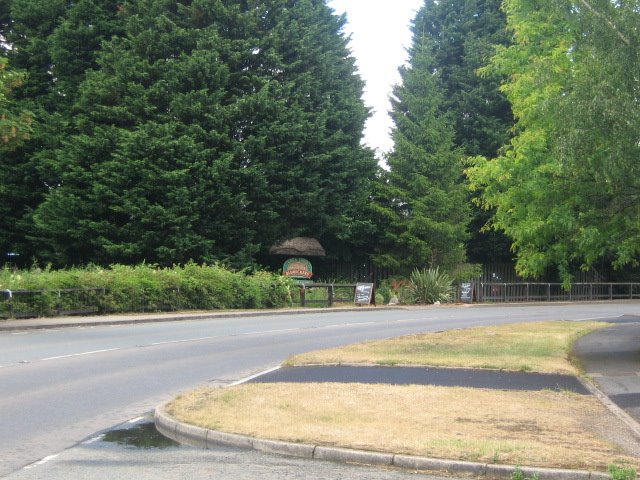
298, 246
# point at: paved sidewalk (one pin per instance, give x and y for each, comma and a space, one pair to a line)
611, 358
128, 318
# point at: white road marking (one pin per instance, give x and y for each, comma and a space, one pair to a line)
246, 379
136, 420
41, 462
93, 440
81, 354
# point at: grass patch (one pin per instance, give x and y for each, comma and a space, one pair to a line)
556, 429
531, 347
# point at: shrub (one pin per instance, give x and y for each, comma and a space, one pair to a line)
519, 475
393, 287
465, 272
622, 473
431, 286
122, 288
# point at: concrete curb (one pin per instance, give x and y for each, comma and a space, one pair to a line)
124, 319
205, 438
623, 416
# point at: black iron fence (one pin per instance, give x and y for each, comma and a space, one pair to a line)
549, 292
83, 301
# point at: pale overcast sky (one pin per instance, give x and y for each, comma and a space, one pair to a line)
379, 38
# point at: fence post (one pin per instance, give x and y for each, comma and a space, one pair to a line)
591, 291
527, 292
302, 294
9, 301
504, 294
59, 303
611, 291
631, 291
330, 295
548, 292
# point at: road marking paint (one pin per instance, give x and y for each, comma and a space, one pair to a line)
136, 420
81, 354
41, 462
251, 377
93, 440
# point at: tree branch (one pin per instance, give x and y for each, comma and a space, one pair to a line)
607, 21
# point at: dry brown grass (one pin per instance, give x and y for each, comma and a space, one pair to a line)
537, 347
523, 428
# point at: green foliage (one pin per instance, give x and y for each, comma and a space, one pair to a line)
430, 286
393, 287
520, 475
172, 130
15, 127
465, 272
420, 202
143, 287
566, 187
54, 42
622, 473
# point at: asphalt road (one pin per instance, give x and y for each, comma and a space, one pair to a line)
61, 386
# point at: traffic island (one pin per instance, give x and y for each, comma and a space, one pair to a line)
478, 431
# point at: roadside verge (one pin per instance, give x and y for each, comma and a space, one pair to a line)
207, 438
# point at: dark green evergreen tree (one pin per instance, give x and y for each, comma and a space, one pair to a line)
421, 201
465, 34
210, 130
55, 42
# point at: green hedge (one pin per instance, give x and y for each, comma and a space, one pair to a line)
141, 288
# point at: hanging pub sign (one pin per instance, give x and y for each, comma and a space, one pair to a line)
298, 268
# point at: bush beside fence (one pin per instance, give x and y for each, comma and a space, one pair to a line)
141, 288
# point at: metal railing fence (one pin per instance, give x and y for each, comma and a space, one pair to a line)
550, 292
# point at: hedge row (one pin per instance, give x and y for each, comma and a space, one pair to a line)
136, 289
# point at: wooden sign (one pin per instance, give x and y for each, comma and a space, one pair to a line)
364, 292
297, 268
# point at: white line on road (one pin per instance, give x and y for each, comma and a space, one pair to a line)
41, 462
93, 440
247, 379
81, 354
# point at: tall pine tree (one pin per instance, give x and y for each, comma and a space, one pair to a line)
422, 198
465, 34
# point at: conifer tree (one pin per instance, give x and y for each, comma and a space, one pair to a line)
421, 197
39, 40
465, 34
209, 130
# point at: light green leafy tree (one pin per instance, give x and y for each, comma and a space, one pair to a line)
566, 189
